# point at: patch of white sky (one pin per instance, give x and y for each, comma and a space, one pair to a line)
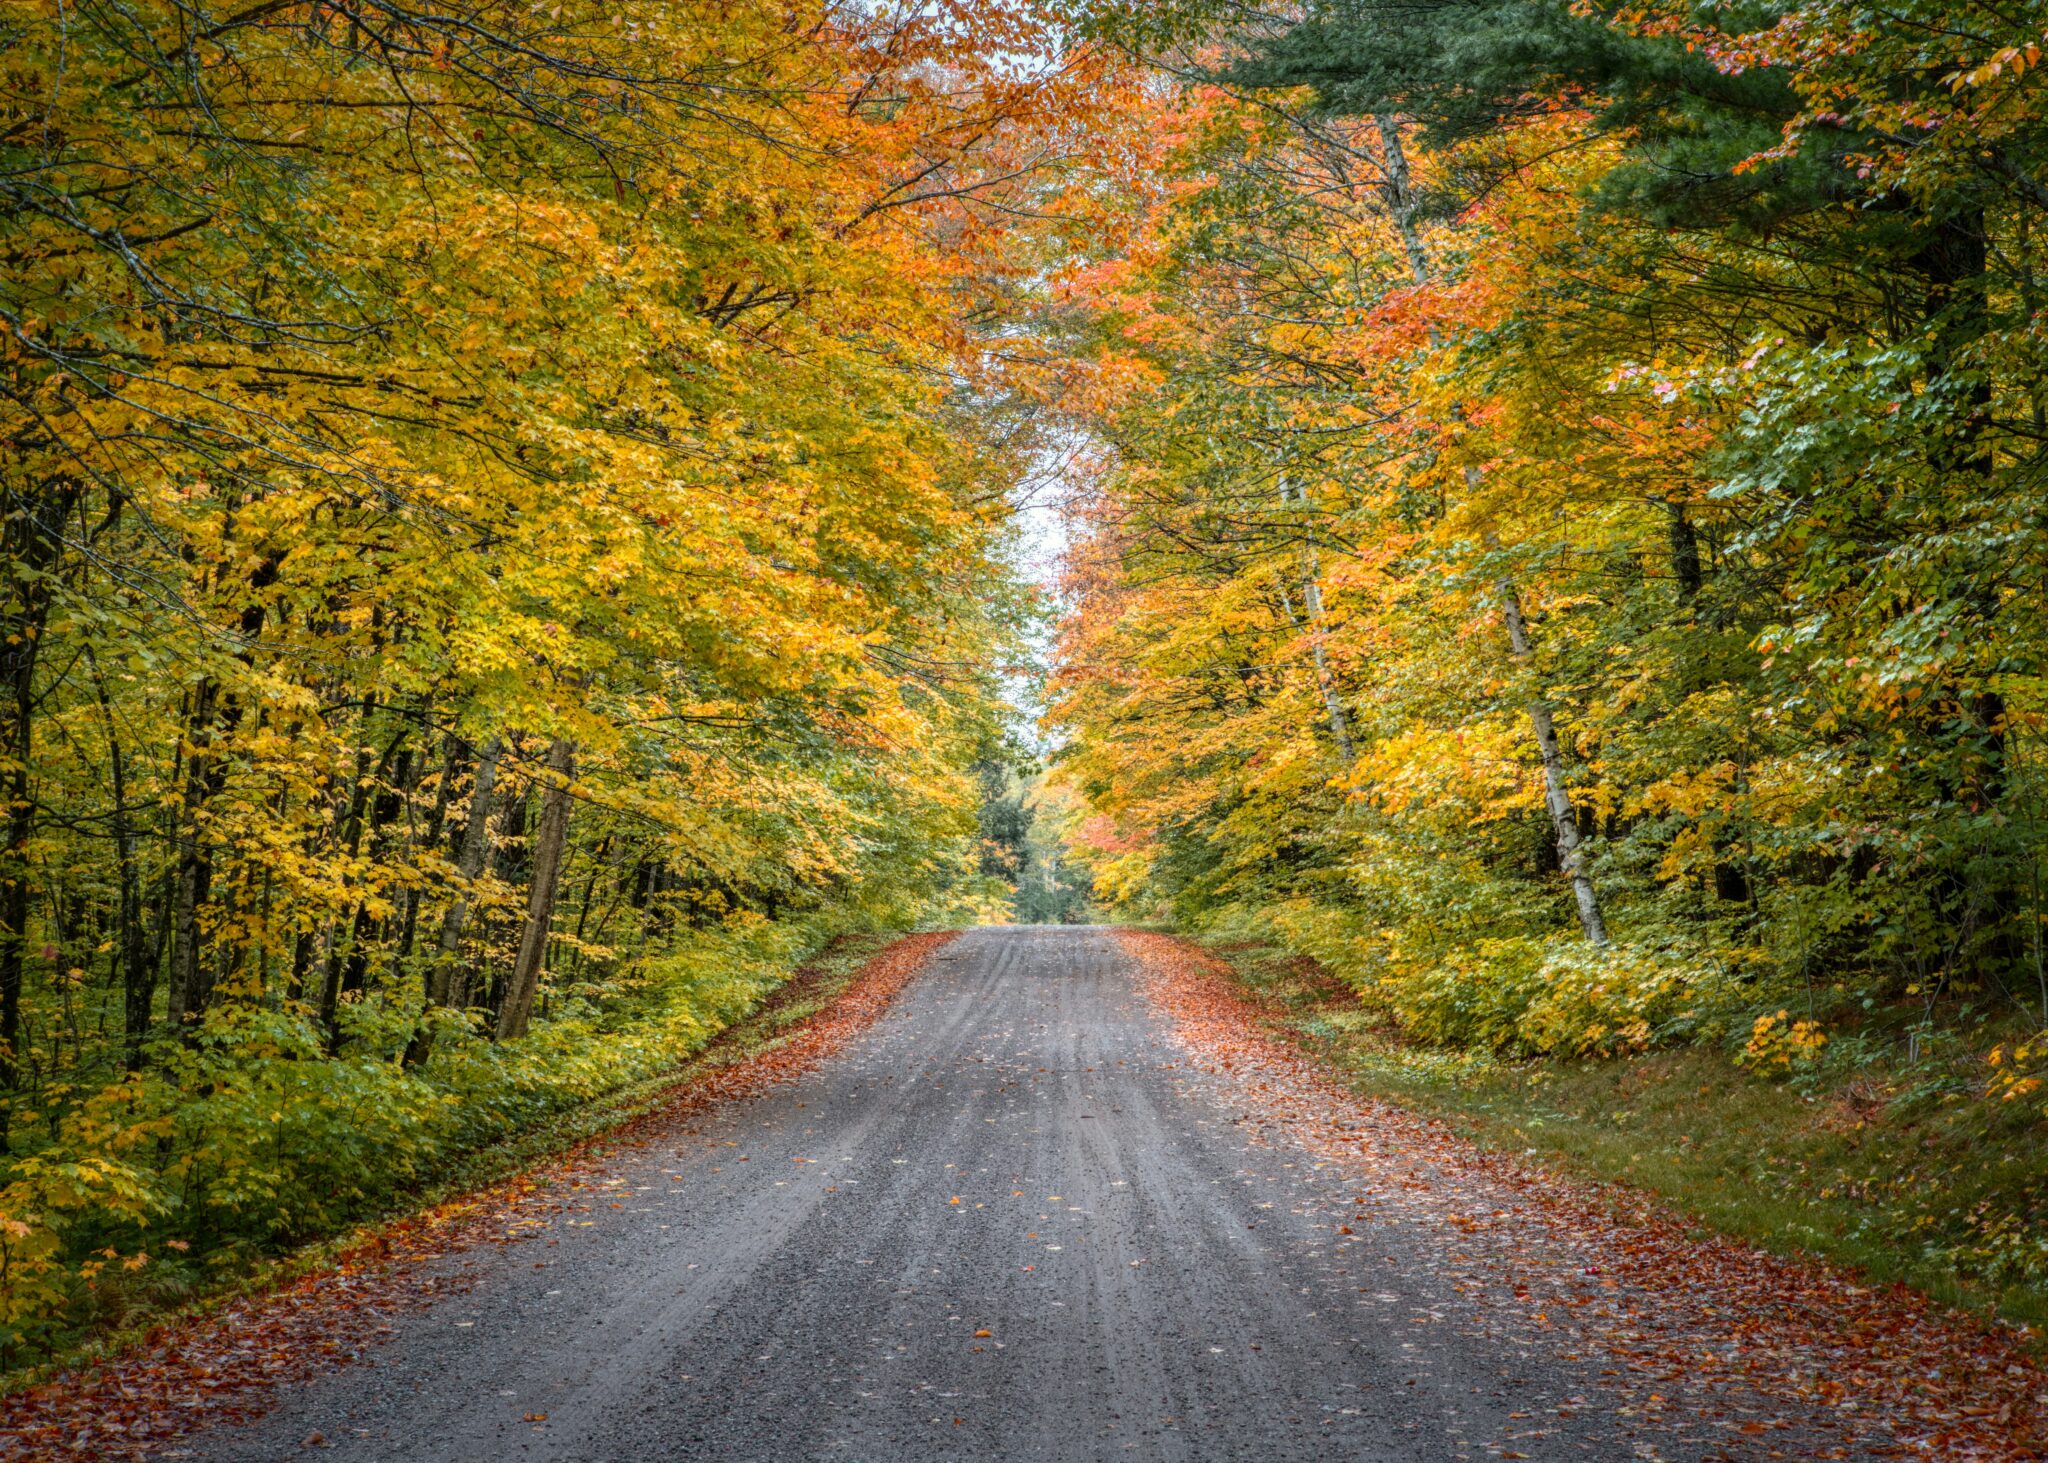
1041, 500
1041, 504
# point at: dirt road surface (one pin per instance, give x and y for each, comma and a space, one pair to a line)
1011, 1220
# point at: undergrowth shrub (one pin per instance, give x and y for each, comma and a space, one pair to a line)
255, 1136
1534, 994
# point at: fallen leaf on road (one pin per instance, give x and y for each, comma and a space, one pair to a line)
223, 1366
1895, 1371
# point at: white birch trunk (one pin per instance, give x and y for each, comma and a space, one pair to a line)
1563, 820
1312, 605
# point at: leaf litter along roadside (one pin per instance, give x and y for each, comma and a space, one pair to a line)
221, 1367
1698, 1317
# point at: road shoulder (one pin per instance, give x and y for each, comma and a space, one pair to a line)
335, 1305
1619, 1269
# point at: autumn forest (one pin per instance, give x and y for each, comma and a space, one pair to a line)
524, 524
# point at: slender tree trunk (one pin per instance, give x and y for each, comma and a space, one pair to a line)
1570, 857
214, 714
1401, 193
1312, 608
476, 848
302, 965
597, 869
451, 766
33, 541
1333, 705
1542, 723
189, 973
1333, 709
338, 949
131, 954
166, 922
392, 796
16, 894
549, 840
1685, 552
16, 899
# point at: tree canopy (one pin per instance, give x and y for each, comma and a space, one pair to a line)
1568, 548
505, 517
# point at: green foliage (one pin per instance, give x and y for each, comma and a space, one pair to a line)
1023, 821
1566, 546
257, 1138
1053, 888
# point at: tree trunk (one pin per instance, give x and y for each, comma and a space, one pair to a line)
214, 714
451, 766
393, 795
1685, 553
1569, 855
131, 951
189, 973
549, 839
1333, 706
476, 848
33, 541
1401, 194
350, 830
1312, 613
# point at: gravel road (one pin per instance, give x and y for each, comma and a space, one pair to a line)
1009, 1221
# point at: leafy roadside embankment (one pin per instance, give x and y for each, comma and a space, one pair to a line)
756, 999
1889, 1154
1706, 1332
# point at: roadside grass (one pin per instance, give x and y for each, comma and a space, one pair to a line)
1890, 1158
194, 1290
810, 988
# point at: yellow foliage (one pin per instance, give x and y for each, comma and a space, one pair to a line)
1777, 1043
